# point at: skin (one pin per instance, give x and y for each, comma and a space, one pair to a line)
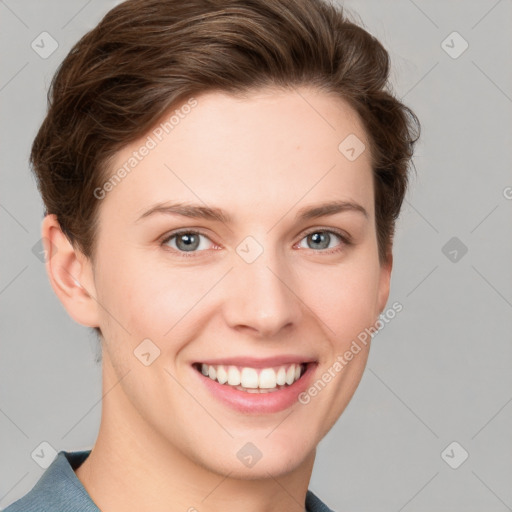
165, 443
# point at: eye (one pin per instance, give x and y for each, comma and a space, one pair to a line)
186, 241
191, 241
323, 238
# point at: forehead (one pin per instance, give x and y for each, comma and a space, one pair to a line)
253, 152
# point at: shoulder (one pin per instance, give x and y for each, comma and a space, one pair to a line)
315, 504
58, 488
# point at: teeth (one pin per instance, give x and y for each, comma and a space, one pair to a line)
268, 378
254, 380
222, 374
281, 376
233, 376
249, 378
290, 375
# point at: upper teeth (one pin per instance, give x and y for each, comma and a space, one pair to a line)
263, 378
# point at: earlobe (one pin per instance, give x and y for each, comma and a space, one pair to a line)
70, 274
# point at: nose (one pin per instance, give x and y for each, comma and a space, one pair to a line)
261, 297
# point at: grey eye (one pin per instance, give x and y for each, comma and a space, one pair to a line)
187, 241
321, 239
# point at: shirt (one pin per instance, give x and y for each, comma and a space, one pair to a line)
60, 490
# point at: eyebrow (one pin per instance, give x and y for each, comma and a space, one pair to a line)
196, 211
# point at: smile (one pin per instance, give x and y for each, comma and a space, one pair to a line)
253, 380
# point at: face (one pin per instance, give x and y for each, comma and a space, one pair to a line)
250, 278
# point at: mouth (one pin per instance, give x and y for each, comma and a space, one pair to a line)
256, 386
254, 380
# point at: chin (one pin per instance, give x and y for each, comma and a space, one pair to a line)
258, 459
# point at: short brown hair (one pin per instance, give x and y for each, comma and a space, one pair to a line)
147, 55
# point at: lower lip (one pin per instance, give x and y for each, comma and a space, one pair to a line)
260, 403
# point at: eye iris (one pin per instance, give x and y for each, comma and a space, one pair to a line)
322, 238
190, 240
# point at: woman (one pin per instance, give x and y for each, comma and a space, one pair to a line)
221, 182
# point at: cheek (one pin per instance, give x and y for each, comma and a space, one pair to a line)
123, 286
344, 298
149, 300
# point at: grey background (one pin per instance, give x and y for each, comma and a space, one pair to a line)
439, 372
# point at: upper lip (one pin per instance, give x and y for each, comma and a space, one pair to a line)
255, 362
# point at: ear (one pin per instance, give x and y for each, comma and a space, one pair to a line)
384, 282
70, 273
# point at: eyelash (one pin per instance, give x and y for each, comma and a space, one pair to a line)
345, 239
